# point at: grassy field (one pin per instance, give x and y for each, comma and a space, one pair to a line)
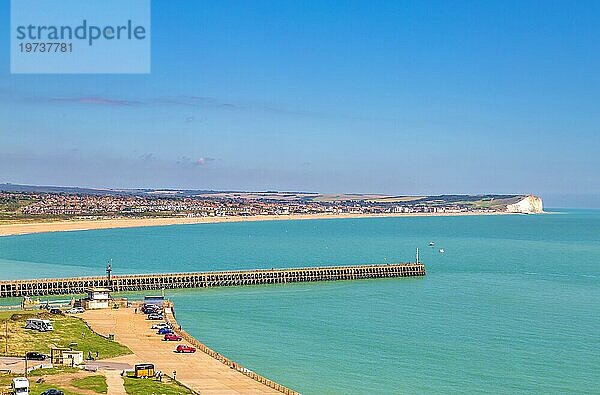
135, 386
37, 388
395, 199
11, 204
96, 383
68, 332
52, 371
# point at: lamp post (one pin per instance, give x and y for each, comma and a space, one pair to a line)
109, 272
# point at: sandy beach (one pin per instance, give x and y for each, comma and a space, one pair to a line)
21, 228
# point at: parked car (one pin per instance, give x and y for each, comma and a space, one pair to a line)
165, 331
20, 386
35, 356
55, 310
154, 316
53, 391
172, 337
151, 308
185, 349
76, 310
161, 325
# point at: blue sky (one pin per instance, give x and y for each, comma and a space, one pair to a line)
391, 97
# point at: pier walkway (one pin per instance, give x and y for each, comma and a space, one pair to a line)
120, 283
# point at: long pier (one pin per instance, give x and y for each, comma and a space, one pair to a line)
118, 283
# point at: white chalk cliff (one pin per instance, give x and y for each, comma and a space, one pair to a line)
528, 205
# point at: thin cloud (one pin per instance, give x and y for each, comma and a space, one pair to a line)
201, 161
149, 157
197, 101
188, 162
191, 101
92, 100
212, 102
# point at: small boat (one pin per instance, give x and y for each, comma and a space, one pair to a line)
442, 251
431, 244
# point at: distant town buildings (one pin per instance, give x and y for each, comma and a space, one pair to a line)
112, 206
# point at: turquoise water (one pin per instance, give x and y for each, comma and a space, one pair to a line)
512, 306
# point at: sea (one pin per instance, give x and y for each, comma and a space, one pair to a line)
511, 305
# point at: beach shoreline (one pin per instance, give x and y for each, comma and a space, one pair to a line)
22, 228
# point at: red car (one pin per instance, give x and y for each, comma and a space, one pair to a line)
185, 349
172, 337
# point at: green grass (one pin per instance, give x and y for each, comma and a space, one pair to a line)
95, 383
13, 203
135, 386
38, 388
490, 203
55, 370
67, 331
5, 381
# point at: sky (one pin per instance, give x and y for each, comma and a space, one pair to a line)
393, 97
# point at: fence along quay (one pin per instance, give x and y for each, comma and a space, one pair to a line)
142, 282
170, 317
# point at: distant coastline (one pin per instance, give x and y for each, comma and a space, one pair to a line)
22, 228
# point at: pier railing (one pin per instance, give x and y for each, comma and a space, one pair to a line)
170, 318
142, 282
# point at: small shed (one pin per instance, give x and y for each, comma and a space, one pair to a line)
97, 298
66, 356
72, 357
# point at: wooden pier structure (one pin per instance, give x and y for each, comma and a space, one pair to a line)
120, 283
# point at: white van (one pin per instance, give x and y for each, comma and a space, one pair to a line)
20, 386
39, 324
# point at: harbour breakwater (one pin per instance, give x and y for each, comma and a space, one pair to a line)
143, 282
